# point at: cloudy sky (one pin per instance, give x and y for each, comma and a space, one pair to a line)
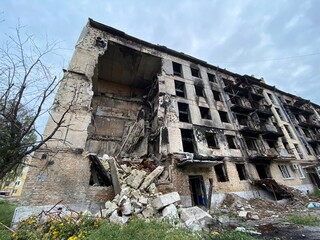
277, 40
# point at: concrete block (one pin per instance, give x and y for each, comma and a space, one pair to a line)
165, 200
109, 208
151, 177
170, 212
193, 224
143, 200
148, 212
115, 176
126, 207
243, 214
136, 178
195, 212
119, 220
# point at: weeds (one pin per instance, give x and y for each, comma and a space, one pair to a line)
6, 214
309, 219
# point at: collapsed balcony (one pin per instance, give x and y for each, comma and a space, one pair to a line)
298, 108
263, 110
241, 105
189, 160
309, 123
271, 131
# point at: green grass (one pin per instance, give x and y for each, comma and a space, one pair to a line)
141, 230
230, 235
6, 210
309, 220
316, 193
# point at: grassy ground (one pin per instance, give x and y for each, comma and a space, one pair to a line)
308, 220
6, 210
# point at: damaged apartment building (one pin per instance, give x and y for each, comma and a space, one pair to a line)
212, 130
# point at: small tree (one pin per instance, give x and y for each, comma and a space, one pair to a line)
26, 84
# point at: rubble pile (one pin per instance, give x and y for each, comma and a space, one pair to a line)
138, 197
260, 208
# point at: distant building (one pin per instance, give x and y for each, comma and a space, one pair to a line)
213, 130
14, 187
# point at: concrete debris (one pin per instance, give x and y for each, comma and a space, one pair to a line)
170, 212
148, 212
165, 200
151, 177
243, 214
136, 178
197, 213
116, 219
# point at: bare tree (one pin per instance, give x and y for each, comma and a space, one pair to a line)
26, 84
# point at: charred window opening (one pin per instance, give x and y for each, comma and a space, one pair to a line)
243, 120
183, 112
263, 171
99, 176
279, 112
44, 156
272, 144
242, 171
211, 140
251, 144
212, 77
231, 141
306, 132
199, 91
298, 151
198, 191
205, 113
187, 140
224, 116
180, 88
177, 69
216, 95
221, 173
195, 72
286, 146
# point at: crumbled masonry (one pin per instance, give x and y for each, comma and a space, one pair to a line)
153, 131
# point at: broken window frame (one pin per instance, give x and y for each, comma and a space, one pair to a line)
224, 117
187, 139
184, 115
195, 72
297, 147
205, 113
199, 91
231, 140
212, 141
177, 69
180, 88
221, 173
300, 172
216, 95
242, 172
280, 114
289, 131
285, 171
211, 77
251, 143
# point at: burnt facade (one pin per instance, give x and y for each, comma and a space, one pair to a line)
214, 131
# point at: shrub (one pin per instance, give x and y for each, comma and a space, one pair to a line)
6, 210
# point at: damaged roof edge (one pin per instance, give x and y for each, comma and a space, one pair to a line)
182, 55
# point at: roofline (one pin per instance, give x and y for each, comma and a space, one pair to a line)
187, 57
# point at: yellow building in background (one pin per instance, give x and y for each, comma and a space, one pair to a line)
14, 188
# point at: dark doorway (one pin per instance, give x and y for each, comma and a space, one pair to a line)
315, 179
198, 191
263, 171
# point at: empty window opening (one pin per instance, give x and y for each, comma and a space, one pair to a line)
284, 171
211, 140
263, 171
298, 151
195, 72
271, 97
177, 69
272, 144
187, 140
287, 147
205, 113
231, 141
212, 77
199, 91
288, 131
183, 112
221, 173
44, 156
242, 120
224, 116
300, 171
216, 95
198, 191
251, 145
306, 132
280, 114
242, 171
180, 88
98, 177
